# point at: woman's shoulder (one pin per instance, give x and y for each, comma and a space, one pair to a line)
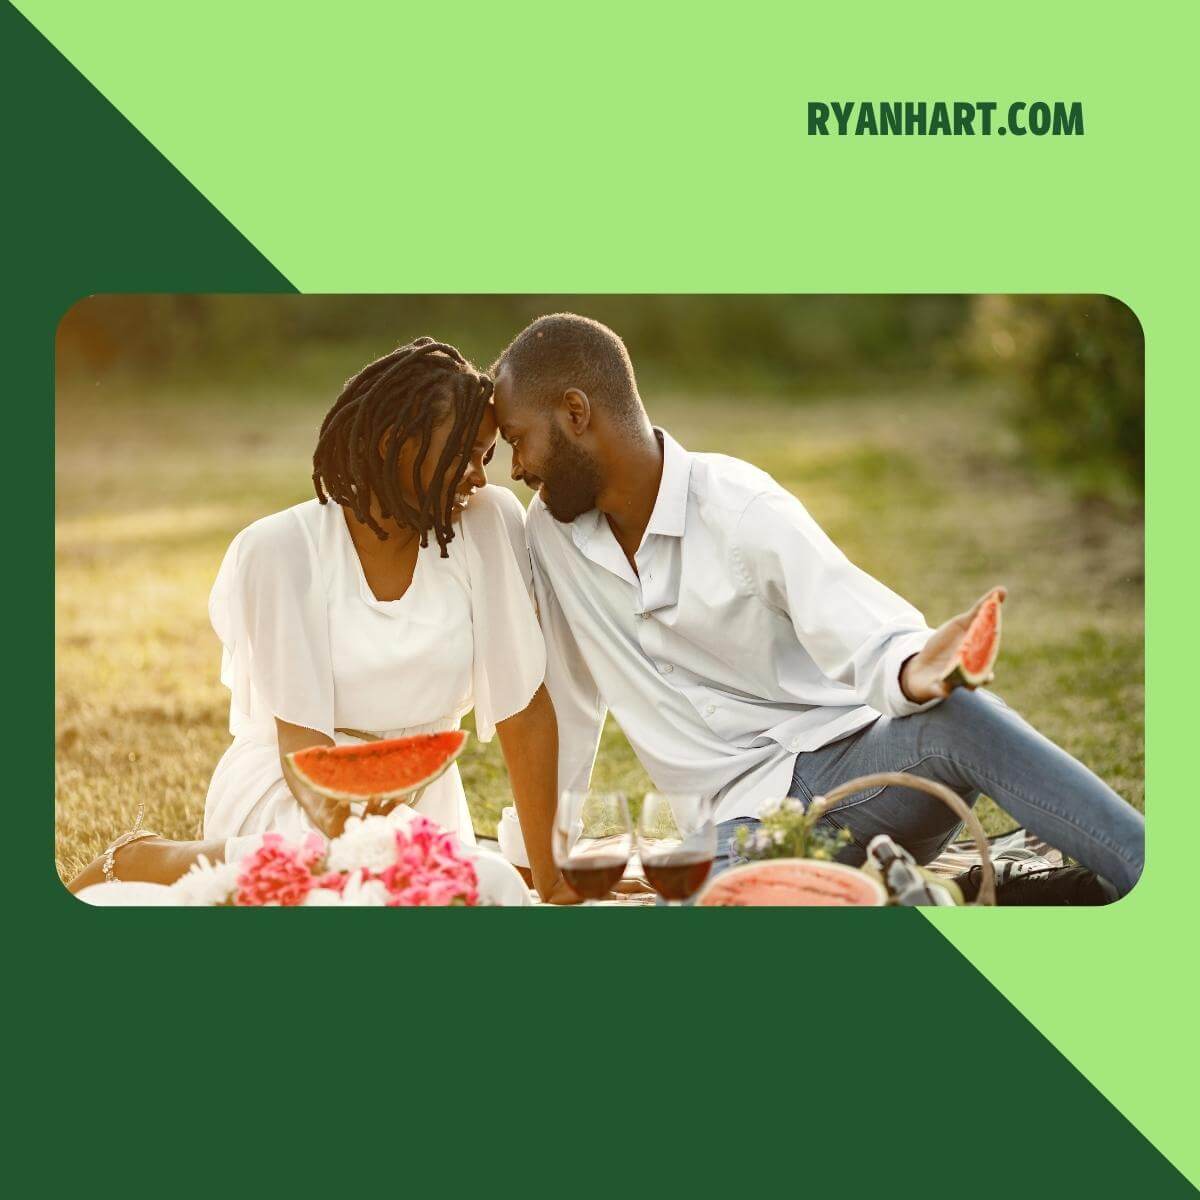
492, 510
289, 535
498, 501
271, 557
493, 527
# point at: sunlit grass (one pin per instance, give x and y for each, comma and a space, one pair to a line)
929, 492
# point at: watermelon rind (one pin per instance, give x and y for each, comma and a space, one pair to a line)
720, 882
959, 674
410, 794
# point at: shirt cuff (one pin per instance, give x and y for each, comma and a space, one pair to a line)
901, 649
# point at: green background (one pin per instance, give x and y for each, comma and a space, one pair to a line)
223, 147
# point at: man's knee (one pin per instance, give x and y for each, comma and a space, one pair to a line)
964, 711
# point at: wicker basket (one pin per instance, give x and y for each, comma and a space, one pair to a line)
987, 890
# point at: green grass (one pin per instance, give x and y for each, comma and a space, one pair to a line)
928, 491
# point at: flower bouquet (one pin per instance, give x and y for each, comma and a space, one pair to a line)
788, 830
402, 860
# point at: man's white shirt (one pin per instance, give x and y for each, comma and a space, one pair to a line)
744, 638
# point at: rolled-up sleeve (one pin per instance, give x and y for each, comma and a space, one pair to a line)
856, 630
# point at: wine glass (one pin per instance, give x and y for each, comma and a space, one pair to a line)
593, 838
677, 841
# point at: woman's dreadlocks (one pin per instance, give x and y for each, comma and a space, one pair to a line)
403, 395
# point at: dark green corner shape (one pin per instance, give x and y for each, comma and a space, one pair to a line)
871, 1054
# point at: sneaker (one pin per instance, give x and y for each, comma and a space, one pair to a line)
1075, 886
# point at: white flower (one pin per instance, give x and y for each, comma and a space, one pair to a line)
403, 815
760, 841
323, 898
368, 843
364, 893
206, 884
770, 809
793, 807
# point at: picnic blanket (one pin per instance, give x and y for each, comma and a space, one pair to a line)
1011, 853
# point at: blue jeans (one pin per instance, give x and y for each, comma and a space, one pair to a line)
972, 742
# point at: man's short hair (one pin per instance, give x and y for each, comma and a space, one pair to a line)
562, 351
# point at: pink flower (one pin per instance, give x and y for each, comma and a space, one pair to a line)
429, 869
278, 873
335, 881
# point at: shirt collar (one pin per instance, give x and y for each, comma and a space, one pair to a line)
585, 526
670, 508
667, 516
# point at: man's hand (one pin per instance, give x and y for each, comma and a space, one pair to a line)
922, 678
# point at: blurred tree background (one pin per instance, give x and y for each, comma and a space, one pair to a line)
946, 443
1078, 366
1075, 364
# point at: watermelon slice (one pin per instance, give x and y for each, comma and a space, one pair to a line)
383, 773
792, 883
977, 654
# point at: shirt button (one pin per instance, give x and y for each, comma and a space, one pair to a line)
667, 668
712, 708
794, 744
644, 616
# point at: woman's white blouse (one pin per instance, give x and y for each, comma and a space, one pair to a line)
305, 640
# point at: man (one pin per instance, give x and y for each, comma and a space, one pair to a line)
741, 653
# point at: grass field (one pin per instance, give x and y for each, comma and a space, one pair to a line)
927, 490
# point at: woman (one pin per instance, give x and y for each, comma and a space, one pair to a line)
341, 621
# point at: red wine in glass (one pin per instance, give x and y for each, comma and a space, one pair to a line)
677, 842
593, 876
592, 840
677, 876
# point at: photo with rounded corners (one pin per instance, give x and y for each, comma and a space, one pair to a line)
641, 601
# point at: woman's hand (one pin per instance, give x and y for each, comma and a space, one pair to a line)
329, 816
923, 677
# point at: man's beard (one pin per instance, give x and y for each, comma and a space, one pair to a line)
571, 481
